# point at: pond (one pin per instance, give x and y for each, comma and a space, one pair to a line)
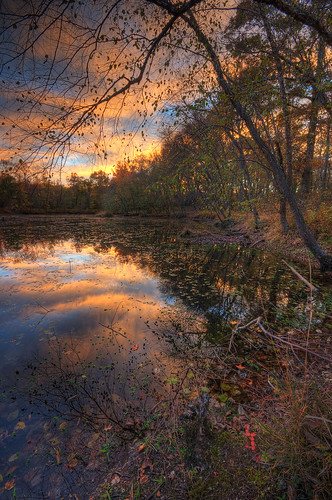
92, 312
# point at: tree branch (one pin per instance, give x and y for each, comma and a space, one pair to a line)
301, 15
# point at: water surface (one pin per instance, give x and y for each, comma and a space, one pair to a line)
91, 310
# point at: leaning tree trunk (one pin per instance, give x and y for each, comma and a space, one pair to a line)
324, 258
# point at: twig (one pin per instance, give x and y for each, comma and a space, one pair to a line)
155, 491
236, 328
290, 343
301, 278
40, 305
112, 329
256, 242
323, 419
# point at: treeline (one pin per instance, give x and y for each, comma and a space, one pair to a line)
21, 194
206, 165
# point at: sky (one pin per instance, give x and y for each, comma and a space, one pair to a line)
53, 66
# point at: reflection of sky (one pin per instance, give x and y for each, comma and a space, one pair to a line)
5, 272
72, 300
73, 293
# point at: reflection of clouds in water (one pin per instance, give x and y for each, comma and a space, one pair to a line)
75, 257
75, 294
5, 272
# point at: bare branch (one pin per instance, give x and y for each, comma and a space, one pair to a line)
301, 15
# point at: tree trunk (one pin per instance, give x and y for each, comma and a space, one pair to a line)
283, 215
327, 156
307, 175
324, 259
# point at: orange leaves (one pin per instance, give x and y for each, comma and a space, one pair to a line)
143, 479
134, 347
141, 448
72, 460
10, 485
57, 455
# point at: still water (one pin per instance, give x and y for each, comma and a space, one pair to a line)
91, 311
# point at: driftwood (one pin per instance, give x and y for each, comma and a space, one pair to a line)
301, 278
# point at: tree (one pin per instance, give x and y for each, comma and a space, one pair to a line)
313, 17
137, 48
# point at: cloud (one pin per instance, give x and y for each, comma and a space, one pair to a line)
70, 63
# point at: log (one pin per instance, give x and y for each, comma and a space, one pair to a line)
301, 278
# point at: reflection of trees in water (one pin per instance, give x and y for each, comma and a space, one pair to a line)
82, 414
97, 393
221, 281
84, 411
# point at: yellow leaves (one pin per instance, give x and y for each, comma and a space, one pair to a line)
225, 387
63, 426
19, 426
13, 457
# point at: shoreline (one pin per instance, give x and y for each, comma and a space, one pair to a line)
202, 230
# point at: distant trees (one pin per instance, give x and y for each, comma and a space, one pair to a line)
41, 194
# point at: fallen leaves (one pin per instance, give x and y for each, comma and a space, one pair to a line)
10, 485
13, 457
57, 455
115, 480
143, 479
141, 448
72, 460
19, 425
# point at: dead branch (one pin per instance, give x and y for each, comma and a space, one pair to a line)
290, 344
301, 278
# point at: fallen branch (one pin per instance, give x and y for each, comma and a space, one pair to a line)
301, 278
296, 346
237, 327
256, 242
257, 322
